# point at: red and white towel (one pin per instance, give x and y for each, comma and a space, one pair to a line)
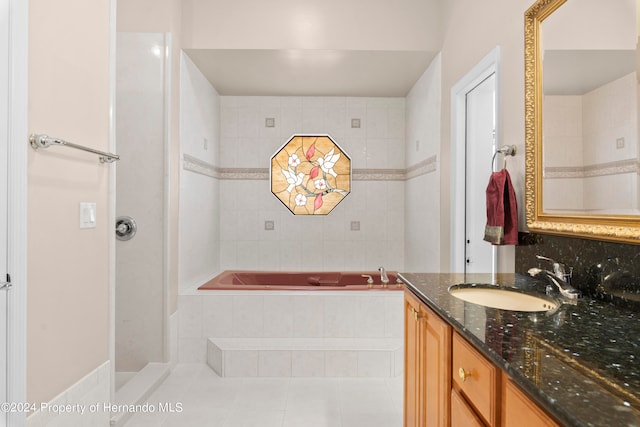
502, 210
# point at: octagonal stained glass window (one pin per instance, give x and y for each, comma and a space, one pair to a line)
310, 174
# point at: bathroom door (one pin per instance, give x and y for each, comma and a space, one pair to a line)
480, 256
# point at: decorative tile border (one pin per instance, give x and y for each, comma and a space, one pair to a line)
196, 165
424, 167
378, 175
261, 174
600, 169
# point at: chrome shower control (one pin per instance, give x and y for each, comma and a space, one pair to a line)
126, 228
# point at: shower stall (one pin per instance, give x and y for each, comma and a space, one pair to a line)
141, 284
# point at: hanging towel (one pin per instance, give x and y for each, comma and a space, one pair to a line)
502, 210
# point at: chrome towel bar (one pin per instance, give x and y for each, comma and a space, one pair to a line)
44, 141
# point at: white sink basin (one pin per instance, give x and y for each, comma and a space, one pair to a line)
503, 298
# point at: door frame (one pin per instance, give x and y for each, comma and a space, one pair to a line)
17, 200
490, 64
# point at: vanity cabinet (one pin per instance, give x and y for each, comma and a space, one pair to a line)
427, 366
461, 413
476, 379
518, 409
447, 382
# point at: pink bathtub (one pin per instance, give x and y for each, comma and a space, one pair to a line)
282, 280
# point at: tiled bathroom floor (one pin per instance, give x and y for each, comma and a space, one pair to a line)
209, 400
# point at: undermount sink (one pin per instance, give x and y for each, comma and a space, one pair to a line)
504, 298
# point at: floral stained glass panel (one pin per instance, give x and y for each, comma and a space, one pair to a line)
310, 174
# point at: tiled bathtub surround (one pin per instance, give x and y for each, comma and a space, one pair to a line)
592, 262
225, 151
327, 242
337, 333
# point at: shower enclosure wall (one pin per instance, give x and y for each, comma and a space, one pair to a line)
141, 318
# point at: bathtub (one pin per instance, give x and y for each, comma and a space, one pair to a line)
278, 280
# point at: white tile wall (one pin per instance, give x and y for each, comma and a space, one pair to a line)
582, 131
199, 194
282, 315
341, 363
312, 243
422, 196
92, 392
307, 364
238, 138
276, 363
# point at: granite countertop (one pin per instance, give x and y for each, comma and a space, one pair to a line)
581, 362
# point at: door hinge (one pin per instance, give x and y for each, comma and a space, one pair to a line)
6, 285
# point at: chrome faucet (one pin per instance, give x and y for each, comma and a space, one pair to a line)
566, 290
383, 277
559, 277
558, 269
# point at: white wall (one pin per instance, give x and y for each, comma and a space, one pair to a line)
329, 24
592, 26
471, 30
312, 243
199, 191
68, 267
422, 209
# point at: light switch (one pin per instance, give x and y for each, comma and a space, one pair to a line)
87, 215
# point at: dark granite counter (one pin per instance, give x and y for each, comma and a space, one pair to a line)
581, 363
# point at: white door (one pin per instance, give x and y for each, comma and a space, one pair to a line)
4, 163
480, 256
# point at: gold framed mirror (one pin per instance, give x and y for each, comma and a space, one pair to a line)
588, 174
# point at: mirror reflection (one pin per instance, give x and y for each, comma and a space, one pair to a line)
590, 109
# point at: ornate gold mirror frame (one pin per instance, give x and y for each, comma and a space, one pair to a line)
625, 228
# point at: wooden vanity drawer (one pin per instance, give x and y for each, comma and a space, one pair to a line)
476, 378
518, 409
461, 414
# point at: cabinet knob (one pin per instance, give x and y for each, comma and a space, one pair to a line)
416, 314
463, 374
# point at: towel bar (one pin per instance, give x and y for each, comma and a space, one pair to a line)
44, 141
505, 150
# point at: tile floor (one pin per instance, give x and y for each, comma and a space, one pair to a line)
209, 400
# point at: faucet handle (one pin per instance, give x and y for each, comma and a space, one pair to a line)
544, 258
369, 280
558, 268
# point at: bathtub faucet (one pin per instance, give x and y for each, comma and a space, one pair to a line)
383, 277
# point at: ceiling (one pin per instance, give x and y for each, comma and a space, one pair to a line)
576, 72
262, 72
